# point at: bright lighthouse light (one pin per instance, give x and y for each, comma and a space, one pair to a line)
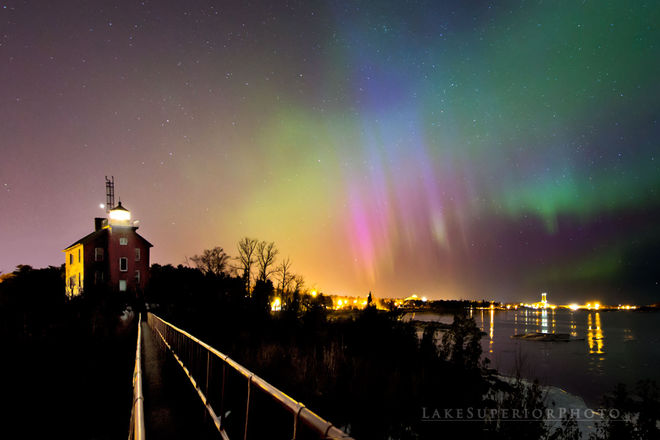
120, 215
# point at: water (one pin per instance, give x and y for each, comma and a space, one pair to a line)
616, 347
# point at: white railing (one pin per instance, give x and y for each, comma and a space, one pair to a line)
199, 361
136, 431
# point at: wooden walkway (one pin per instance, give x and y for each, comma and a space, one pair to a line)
172, 409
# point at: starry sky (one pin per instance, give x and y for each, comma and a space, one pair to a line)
452, 149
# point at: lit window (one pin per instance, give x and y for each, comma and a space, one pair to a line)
98, 254
123, 241
122, 285
123, 264
137, 277
137, 254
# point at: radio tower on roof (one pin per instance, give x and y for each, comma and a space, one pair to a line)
109, 193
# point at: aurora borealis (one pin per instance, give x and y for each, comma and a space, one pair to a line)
449, 149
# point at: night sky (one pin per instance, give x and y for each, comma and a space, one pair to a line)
444, 148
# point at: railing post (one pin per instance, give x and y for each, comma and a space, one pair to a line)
206, 388
208, 365
295, 422
222, 395
247, 407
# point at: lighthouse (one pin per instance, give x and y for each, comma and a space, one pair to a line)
113, 256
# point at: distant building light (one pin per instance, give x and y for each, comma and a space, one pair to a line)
276, 305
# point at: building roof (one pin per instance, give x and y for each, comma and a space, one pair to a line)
92, 236
144, 239
119, 208
101, 233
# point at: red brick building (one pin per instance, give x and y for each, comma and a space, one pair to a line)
114, 255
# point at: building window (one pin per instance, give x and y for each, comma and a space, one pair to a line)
123, 241
137, 277
122, 285
79, 282
98, 254
78, 255
123, 264
71, 258
137, 254
98, 277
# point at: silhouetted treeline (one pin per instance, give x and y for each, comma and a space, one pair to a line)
436, 306
30, 300
67, 364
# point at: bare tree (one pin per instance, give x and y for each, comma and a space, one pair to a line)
298, 283
212, 261
266, 253
284, 275
246, 258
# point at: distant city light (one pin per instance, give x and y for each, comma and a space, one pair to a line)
314, 293
626, 307
276, 305
101, 205
573, 306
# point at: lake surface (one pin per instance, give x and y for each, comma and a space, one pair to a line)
617, 346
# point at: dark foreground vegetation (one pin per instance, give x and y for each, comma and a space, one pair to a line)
66, 365
69, 364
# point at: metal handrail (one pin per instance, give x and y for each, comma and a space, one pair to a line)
136, 431
300, 412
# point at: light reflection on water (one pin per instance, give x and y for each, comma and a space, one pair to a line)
595, 335
492, 330
606, 347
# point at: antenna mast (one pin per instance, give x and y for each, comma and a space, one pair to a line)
109, 193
